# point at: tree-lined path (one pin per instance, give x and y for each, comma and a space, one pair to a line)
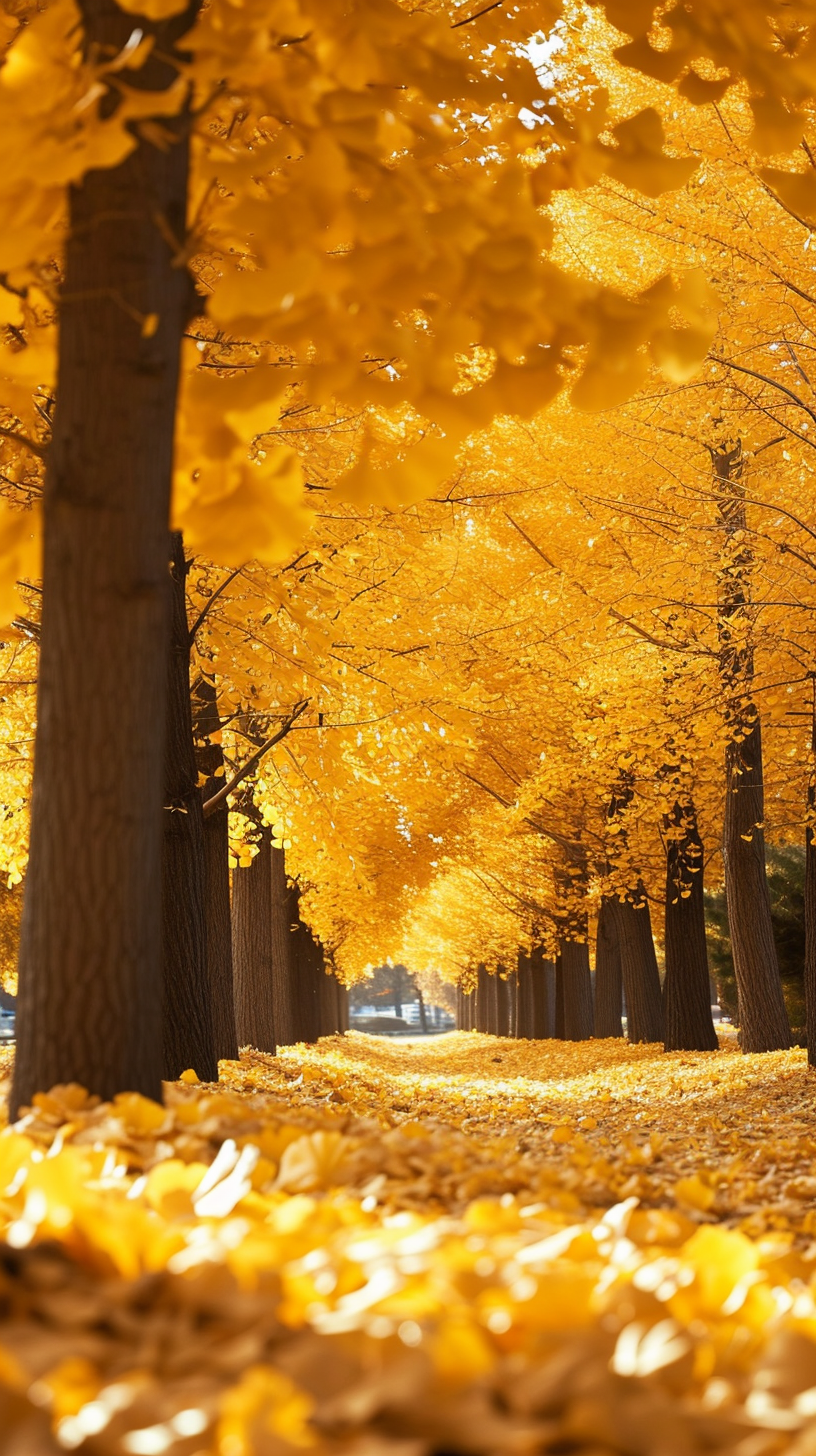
407, 562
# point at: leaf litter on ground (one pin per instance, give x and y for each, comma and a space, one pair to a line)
455, 1245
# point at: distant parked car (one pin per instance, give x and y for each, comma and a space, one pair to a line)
6, 1025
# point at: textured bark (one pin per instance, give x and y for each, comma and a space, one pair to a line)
525, 1014
512, 1003
470, 1011
493, 1005
763, 1018
90, 954
559, 999
308, 963
186, 1004
252, 950
284, 987
687, 1021
578, 1016
482, 1001
608, 983
210, 762
639, 973
542, 972
464, 1009
502, 1005
810, 918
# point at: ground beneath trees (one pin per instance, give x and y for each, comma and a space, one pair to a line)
384, 1248
588, 1123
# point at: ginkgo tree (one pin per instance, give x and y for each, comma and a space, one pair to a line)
354, 199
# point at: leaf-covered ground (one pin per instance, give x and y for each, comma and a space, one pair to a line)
462, 1245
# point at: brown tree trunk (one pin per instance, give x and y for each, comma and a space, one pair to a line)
464, 1009
493, 1004
763, 1018
639, 973
252, 949
525, 1016
328, 1004
542, 973
470, 1011
512, 999
210, 762
483, 1001
762, 1015
560, 1022
284, 987
687, 1022
342, 1009
810, 909
186, 1008
608, 983
89, 1007
308, 961
578, 1017
423, 1014
502, 1005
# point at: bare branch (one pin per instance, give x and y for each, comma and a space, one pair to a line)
242, 773
41, 451
202, 616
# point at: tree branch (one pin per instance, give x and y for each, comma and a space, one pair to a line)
470, 18
202, 616
766, 379
238, 777
40, 451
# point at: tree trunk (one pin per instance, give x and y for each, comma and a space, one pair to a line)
90, 953
639, 973
763, 1019
560, 1032
687, 1022
512, 998
217, 914
423, 1015
342, 1009
525, 1017
493, 1011
252, 949
483, 1001
810, 917
502, 1005
578, 1018
762, 1015
284, 988
542, 973
608, 983
328, 1004
186, 1007
309, 961
470, 1011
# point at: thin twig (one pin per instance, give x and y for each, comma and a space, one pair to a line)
202, 616
238, 777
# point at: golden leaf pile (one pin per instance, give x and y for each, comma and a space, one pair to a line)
368, 1248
